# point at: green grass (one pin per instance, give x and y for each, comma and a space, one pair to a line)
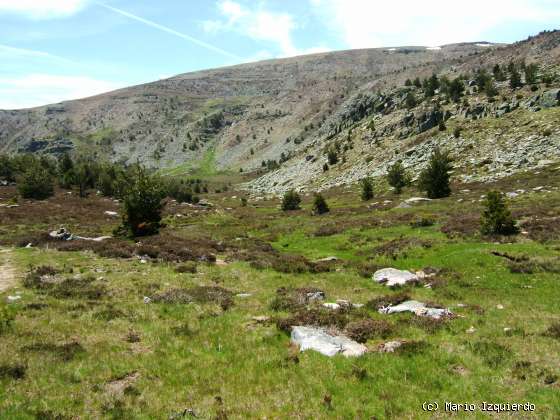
196, 355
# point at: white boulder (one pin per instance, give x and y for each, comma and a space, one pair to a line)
394, 277
311, 338
417, 308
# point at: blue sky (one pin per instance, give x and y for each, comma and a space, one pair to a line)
54, 50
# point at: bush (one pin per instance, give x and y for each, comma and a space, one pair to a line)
7, 318
143, 204
320, 205
36, 182
291, 201
367, 189
496, 217
332, 157
179, 191
397, 177
435, 178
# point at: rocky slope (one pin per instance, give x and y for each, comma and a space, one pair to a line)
289, 112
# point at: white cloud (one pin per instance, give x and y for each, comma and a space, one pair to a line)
9, 52
258, 24
41, 89
42, 9
366, 23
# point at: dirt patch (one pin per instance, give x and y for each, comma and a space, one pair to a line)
290, 299
397, 247
120, 386
47, 280
199, 294
7, 271
65, 352
261, 255
462, 225
553, 331
542, 229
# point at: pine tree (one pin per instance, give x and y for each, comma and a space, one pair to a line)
143, 204
397, 177
332, 157
291, 201
515, 79
531, 72
435, 178
490, 89
367, 189
496, 217
320, 205
36, 182
410, 100
498, 73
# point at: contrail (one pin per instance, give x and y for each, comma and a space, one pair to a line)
170, 31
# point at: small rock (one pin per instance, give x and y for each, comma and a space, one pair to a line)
315, 296
327, 259
470, 330
243, 295
147, 300
389, 347
260, 318
331, 305
13, 298
499, 306
111, 213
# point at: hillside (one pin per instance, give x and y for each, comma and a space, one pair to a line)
290, 111
174, 121
199, 291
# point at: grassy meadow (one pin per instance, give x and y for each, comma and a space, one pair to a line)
86, 344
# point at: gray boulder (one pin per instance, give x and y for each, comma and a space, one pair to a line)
311, 338
550, 98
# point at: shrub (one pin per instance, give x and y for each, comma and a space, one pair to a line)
7, 318
367, 189
362, 330
291, 201
397, 177
332, 157
143, 204
435, 178
496, 217
410, 101
457, 132
179, 191
36, 182
320, 205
